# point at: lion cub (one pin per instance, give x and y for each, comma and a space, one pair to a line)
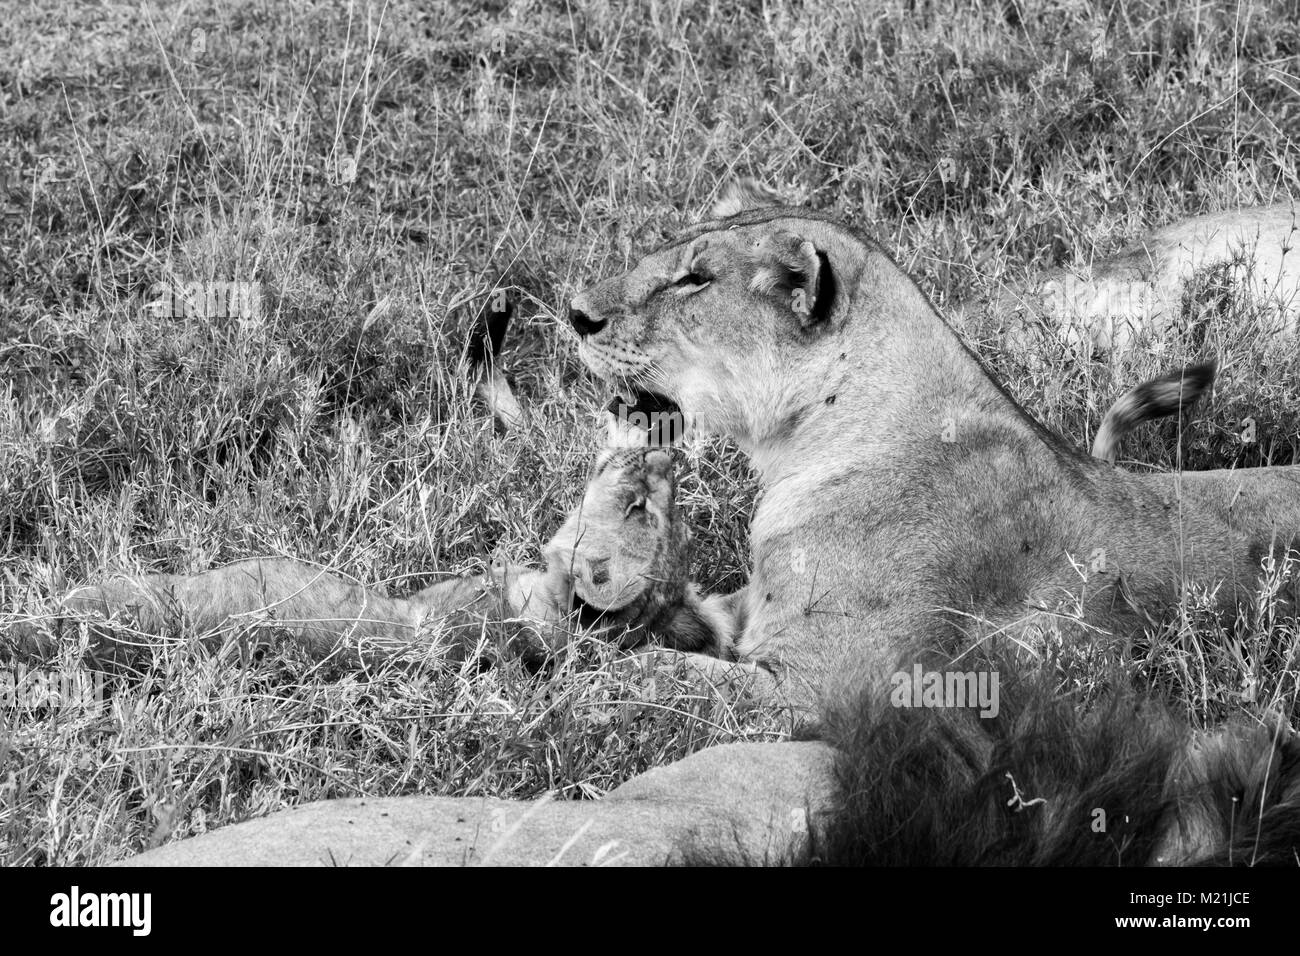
618, 564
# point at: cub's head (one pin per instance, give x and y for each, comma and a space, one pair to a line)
731, 321
620, 559
625, 540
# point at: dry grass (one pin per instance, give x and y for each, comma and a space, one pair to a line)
531, 147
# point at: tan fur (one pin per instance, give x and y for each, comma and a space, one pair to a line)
737, 803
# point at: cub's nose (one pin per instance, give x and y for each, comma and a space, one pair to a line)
584, 324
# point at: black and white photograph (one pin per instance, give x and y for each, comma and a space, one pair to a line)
673, 433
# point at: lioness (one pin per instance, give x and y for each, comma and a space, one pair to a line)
898, 477
911, 512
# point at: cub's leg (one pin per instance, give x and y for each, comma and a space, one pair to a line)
320, 611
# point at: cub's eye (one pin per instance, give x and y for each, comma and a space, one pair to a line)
692, 279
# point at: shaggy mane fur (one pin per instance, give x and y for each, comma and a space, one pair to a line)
1029, 787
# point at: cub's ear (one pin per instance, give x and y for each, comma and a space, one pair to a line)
603, 458
797, 272
742, 194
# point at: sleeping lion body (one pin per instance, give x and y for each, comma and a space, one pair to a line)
1159, 288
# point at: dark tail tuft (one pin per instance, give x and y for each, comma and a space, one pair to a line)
488, 332
482, 350
1166, 395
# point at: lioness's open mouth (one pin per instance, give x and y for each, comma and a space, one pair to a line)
649, 414
646, 402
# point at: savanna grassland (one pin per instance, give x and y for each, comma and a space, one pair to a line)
374, 171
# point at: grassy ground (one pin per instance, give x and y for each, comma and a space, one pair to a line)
377, 169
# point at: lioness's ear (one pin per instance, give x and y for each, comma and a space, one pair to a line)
792, 268
742, 194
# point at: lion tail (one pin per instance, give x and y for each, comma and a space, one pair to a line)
1166, 395
482, 350
1047, 782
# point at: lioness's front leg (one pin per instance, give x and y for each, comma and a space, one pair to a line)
713, 676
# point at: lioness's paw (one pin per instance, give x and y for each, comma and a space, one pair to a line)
673, 673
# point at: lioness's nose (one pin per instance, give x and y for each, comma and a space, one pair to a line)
584, 324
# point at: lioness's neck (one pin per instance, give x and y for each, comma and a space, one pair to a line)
893, 378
